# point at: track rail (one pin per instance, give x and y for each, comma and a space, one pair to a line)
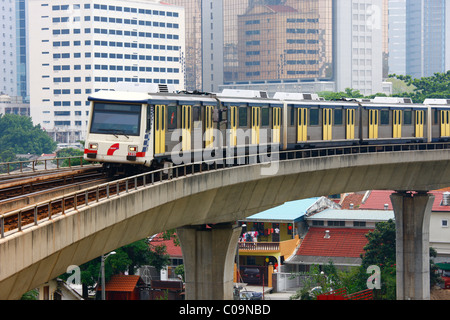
22, 186
15, 221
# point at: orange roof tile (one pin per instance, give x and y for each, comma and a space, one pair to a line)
343, 242
122, 283
355, 198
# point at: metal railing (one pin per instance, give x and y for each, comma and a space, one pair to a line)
118, 187
9, 168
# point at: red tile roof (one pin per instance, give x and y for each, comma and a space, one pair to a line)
355, 198
343, 242
172, 250
122, 283
378, 198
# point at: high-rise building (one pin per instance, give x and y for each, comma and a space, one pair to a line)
359, 45
286, 43
8, 48
79, 48
427, 37
397, 37
22, 54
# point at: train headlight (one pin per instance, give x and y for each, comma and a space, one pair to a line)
132, 148
93, 146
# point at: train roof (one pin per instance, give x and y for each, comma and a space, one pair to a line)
144, 98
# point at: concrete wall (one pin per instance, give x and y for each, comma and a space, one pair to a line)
40, 253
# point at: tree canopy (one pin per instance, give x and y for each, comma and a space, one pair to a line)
433, 87
18, 135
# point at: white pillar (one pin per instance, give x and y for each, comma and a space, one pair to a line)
208, 257
412, 220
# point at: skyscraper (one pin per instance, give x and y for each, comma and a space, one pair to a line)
359, 45
397, 37
79, 48
8, 48
427, 36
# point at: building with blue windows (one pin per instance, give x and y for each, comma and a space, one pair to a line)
79, 47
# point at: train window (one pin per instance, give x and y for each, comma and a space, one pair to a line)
384, 117
243, 117
314, 117
436, 116
116, 119
264, 117
196, 114
172, 117
292, 114
338, 115
149, 118
407, 117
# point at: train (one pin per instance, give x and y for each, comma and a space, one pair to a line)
150, 130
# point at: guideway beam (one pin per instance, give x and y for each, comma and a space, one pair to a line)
412, 219
208, 257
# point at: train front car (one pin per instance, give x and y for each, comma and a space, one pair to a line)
118, 131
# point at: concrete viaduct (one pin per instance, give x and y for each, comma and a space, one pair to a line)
219, 198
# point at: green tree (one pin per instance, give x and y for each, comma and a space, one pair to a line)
433, 87
18, 134
70, 152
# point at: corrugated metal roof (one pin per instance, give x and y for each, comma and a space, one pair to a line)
289, 211
367, 215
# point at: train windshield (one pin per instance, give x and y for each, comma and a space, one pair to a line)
116, 119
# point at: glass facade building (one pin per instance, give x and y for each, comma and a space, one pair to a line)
427, 37
274, 40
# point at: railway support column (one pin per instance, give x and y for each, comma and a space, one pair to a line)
208, 256
412, 219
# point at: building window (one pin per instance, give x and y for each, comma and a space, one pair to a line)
336, 223
359, 223
444, 223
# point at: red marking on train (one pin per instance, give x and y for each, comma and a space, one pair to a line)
140, 154
86, 151
113, 149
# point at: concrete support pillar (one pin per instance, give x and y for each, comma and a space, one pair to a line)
208, 256
412, 220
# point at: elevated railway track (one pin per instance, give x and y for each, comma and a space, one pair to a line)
31, 214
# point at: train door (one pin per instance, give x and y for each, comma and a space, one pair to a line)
256, 124
419, 123
397, 124
209, 134
373, 124
302, 127
160, 129
186, 128
445, 123
350, 123
233, 114
327, 124
276, 119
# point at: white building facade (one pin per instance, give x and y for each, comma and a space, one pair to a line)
8, 63
77, 48
358, 26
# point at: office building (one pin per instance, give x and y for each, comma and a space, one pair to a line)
427, 37
397, 37
79, 48
8, 49
358, 45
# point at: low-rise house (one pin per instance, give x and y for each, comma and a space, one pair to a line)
338, 236
124, 287
268, 238
439, 220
